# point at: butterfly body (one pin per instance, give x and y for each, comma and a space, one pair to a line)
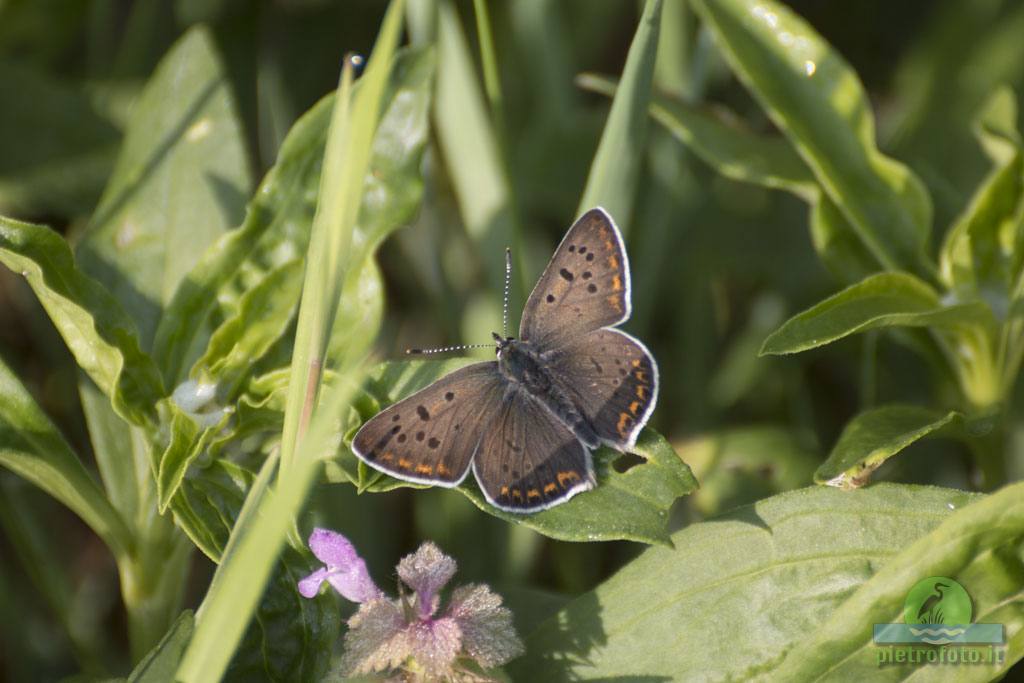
526, 423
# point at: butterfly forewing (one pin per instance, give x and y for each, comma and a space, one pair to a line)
584, 287
528, 460
431, 436
612, 378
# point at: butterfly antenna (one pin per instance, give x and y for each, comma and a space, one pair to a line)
508, 281
447, 349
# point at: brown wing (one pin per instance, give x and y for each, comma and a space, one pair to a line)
528, 460
583, 288
431, 436
612, 378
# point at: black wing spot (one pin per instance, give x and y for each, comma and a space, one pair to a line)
590, 257
456, 427
396, 429
550, 298
422, 412
623, 372
587, 274
591, 288
597, 366
513, 446
583, 250
449, 396
566, 275
572, 248
420, 436
395, 417
433, 442
401, 438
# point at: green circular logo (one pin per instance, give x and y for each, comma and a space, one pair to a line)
937, 600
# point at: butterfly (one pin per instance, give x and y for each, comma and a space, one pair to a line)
527, 422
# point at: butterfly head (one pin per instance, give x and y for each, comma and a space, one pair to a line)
501, 343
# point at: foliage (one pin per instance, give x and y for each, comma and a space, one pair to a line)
220, 330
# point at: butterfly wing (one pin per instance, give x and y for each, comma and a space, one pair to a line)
431, 436
584, 287
528, 460
612, 378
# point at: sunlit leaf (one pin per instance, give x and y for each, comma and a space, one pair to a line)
738, 594
102, 338
874, 436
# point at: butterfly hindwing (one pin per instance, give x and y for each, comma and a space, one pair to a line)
528, 460
431, 436
583, 288
612, 378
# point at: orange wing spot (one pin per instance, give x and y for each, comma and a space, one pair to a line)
442, 470
633, 406
387, 457
603, 232
425, 469
533, 493
640, 375
517, 494
550, 488
504, 491
570, 475
640, 391
404, 464
616, 283
636, 362
613, 262
608, 245
615, 303
622, 426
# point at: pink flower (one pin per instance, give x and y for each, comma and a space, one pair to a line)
412, 633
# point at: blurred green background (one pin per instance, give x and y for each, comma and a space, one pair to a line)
716, 264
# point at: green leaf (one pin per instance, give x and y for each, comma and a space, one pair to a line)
718, 137
979, 546
96, 329
874, 436
882, 300
815, 98
180, 181
31, 447
276, 227
837, 244
615, 171
469, 146
737, 593
58, 150
188, 441
631, 505
161, 663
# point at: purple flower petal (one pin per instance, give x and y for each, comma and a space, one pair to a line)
488, 635
332, 548
376, 639
310, 585
434, 645
426, 571
354, 582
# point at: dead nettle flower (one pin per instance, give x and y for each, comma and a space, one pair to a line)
409, 634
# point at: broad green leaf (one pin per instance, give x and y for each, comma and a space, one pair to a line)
979, 545
188, 441
874, 436
276, 227
57, 150
837, 245
737, 593
31, 447
180, 182
882, 300
469, 146
815, 98
741, 465
718, 137
100, 335
162, 661
631, 505
615, 171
